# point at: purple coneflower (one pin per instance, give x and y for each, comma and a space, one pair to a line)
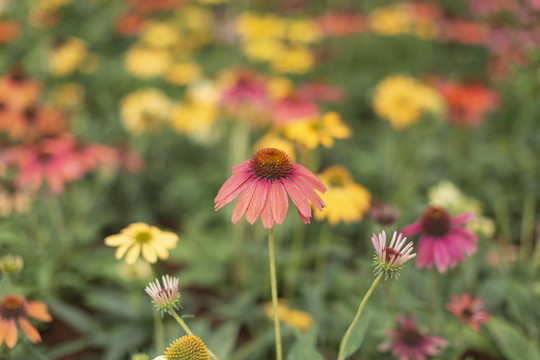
263, 183
469, 311
443, 239
409, 343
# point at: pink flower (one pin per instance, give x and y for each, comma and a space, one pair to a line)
248, 91
443, 239
469, 311
293, 108
408, 342
263, 183
389, 260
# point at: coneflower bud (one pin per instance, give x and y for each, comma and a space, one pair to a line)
188, 347
389, 260
11, 264
166, 299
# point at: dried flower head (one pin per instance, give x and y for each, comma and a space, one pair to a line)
389, 260
188, 347
165, 299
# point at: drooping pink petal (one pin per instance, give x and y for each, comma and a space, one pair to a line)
309, 177
308, 192
243, 201
267, 218
257, 201
242, 167
439, 253
467, 234
279, 201
460, 219
299, 200
412, 228
425, 251
230, 190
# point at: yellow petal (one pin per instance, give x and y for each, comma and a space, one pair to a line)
122, 250
133, 254
117, 240
149, 253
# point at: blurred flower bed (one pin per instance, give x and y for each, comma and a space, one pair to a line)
120, 121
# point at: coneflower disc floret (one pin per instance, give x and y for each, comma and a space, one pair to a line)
188, 347
166, 299
389, 260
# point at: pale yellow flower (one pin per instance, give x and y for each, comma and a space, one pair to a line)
345, 200
295, 60
184, 73
252, 26
279, 87
141, 238
68, 56
139, 270
144, 111
273, 140
303, 31
403, 99
263, 50
390, 20
298, 319
193, 117
159, 34
323, 131
146, 62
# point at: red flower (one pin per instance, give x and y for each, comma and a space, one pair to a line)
469, 311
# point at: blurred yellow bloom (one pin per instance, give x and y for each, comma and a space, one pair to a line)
191, 118
69, 95
403, 99
303, 31
252, 26
279, 87
52, 4
184, 73
273, 140
145, 62
204, 92
390, 20
323, 131
263, 50
297, 60
139, 270
300, 320
68, 56
345, 200
139, 238
159, 34
144, 111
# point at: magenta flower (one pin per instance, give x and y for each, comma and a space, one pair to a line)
408, 342
263, 183
443, 239
247, 93
469, 311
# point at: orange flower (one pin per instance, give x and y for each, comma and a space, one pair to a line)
8, 31
128, 24
14, 307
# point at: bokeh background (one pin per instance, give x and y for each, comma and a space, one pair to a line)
114, 112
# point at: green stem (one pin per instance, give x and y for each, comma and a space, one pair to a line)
345, 340
527, 227
295, 257
184, 326
322, 254
434, 300
158, 324
273, 282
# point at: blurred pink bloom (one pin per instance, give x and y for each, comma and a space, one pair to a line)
491, 7
409, 343
263, 183
384, 214
247, 93
465, 32
93, 155
319, 91
342, 24
469, 311
54, 160
293, 108
443, 239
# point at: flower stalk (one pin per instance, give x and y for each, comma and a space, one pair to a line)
273, 282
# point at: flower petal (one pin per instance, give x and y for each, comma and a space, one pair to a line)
267, 218
462, 218
117, 240
133, 254
308, 192
29, 330
38, 310
11, 334
309, 177
300, 201
149, 253
230, 190
243, 201
258, 201
412, 228
279, 201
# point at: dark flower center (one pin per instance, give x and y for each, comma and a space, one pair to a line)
11, 307
411, 336
142, 237
467, 314
271, 164
435, 221
390, 254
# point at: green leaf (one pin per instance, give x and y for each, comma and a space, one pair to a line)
357, 335
510, 341
72, 315
304, 347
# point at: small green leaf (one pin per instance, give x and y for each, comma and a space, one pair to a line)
357, 335
304, 347
510, 341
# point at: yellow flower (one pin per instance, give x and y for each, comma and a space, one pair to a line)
68, 56
193, 117
144, 110
184, 73
303, 31
279, 87
69, 95
145, 62
252, 26
273, 140
52, 4
263, 50
298, 319
319, 132
296, 60
390, 20
403, 99
139, 238
159, 34
345, 200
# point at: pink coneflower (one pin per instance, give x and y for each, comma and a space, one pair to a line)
467, 310
264, 182
389, 260
293, 108
247, 93
320, 91
54, 160
408, 342
14, 307
443, 240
